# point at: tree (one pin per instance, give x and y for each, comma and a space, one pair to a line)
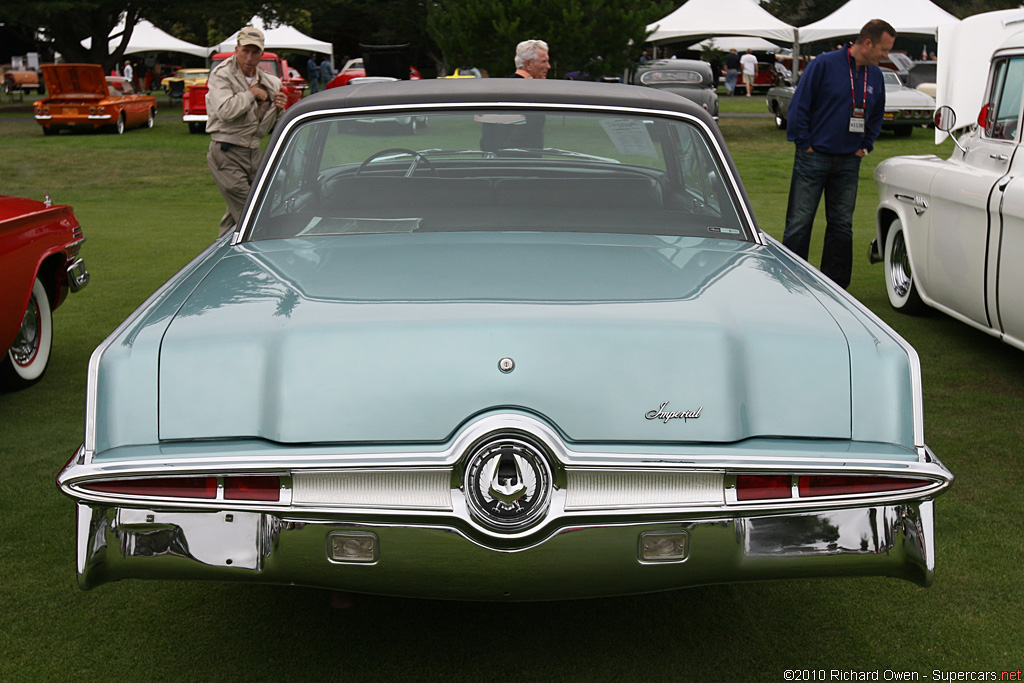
600, 37
66, 23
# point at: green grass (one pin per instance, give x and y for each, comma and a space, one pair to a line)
148, 205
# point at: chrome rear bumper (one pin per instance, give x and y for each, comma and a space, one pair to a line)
432, 560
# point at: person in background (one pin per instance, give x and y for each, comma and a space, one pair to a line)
243, 104
327, 72
532, 59
834, 118
732, 71
502, 134
313, 75
129, 77
748, 62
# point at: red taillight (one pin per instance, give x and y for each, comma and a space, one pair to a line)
164, 487
252, 488
830, 485
763, 486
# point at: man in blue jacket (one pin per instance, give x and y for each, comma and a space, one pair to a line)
834, 119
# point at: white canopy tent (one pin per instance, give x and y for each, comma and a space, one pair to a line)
148, 38
702, 18
965, 50
906, 16
283, 37
739, 43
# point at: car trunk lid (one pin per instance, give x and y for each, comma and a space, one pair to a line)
399, 338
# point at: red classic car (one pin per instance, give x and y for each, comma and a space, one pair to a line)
39, 245
81, 97
193, 104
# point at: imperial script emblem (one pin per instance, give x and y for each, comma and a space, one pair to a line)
665, 415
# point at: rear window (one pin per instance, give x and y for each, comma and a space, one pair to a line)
498, 170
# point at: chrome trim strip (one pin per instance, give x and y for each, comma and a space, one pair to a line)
102, 117
917, 201
40, 117
274, 154
565, 466
195, 117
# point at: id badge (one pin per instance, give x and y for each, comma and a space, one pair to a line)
857, 120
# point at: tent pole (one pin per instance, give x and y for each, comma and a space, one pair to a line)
796, 57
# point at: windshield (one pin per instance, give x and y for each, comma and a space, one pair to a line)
891, 79
498, 170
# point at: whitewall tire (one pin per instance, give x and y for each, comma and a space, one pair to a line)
26, 360
899, 278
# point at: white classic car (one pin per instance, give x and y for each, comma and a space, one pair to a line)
950, 230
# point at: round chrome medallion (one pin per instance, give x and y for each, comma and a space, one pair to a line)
508, 482
506, 365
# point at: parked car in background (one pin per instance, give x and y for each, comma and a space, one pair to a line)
82, 98
689, 78
39, 246
193, 103
905, 108
546, 353
951, 231
354, 69
186, 76
21, 80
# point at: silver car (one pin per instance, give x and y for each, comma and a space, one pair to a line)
905, 108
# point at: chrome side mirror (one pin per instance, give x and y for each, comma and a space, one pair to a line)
945, 120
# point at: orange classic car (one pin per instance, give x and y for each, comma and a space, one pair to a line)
21, 80
39, 244
82, 98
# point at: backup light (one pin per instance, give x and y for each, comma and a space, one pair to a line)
358, 547
664, 547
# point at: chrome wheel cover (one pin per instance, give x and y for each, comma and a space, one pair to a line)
26, 344
899, 272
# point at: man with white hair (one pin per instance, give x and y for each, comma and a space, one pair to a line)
243, 104
532, 59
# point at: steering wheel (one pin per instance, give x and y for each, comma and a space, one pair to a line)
417, 158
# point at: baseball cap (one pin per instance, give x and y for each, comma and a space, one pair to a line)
250, 35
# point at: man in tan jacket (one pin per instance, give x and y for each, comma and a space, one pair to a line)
242, 105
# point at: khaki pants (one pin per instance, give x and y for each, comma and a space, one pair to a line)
234, 169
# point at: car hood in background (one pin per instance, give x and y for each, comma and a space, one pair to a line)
901, 97
74, 80
399, 337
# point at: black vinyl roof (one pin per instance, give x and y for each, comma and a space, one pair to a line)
485, 91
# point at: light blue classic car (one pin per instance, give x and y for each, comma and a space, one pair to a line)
548, 353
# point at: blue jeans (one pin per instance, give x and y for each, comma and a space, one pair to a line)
837, 176
730, 80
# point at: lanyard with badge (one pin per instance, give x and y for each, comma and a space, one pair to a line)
857, 113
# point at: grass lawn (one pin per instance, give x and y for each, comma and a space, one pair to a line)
148, 205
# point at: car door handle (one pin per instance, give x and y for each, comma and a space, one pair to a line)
998, 157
